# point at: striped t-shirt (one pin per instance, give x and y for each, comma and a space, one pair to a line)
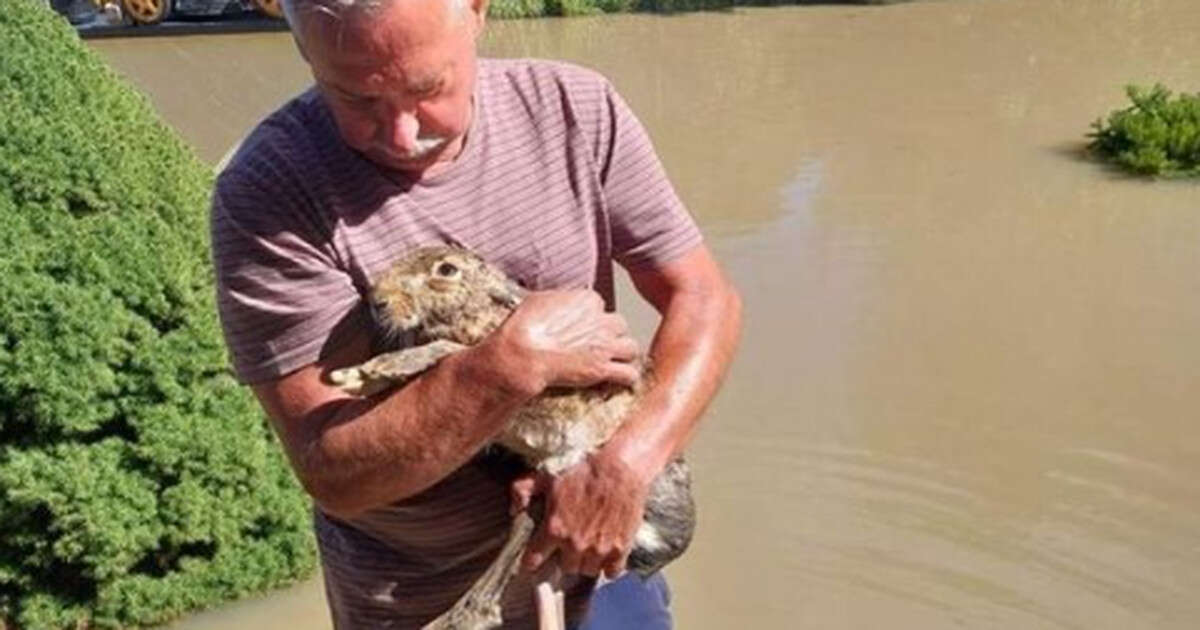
556, 181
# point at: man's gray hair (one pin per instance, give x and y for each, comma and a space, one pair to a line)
295, 10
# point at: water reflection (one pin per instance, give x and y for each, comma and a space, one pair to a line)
723, 96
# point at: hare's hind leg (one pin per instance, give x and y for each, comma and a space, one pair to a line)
392, 368
479, 607
669, 520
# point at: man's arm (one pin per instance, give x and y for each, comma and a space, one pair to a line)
353, 454
594, 509
691, 351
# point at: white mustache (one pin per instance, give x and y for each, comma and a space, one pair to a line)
426, 145
421, 147
423, 143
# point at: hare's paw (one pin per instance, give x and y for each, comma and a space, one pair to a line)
391, 368
360, 380
404, 364
364, 380
346, 378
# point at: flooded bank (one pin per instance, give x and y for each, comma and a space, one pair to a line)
971, 369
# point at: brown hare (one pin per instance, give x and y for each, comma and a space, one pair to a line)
443, 299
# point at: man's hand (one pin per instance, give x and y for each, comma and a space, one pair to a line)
593, 511
565, 339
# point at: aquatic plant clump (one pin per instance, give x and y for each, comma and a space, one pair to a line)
138, 480
1157, 135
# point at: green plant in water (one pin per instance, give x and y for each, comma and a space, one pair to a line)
137, 479
1157, 135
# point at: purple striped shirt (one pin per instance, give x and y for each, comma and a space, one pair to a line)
557, 180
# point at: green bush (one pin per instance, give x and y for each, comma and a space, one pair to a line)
1157, 135
137, 479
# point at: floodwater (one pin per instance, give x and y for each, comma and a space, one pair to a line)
970, 379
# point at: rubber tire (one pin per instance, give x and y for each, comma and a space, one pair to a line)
269, 8
166, 7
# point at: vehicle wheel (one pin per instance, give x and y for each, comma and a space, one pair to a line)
147, 11
269, 8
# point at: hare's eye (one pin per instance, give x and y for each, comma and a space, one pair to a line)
447, 270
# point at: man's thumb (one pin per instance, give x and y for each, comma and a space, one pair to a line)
524, 488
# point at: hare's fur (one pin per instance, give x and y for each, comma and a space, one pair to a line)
439, 300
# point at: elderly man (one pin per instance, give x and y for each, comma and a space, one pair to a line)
408, 139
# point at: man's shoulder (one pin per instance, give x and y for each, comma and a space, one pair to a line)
276, 168
529, 72
542, 84
544, 98
290, 135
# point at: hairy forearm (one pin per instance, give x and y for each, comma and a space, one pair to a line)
691, 352
373, 451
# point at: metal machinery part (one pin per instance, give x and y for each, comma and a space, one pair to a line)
147, 11
269, 8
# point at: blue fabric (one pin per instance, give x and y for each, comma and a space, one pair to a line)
628, 603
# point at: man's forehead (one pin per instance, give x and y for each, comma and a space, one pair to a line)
380, 47
361, 37
373, 80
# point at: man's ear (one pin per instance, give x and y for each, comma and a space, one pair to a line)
479, 9
300, 49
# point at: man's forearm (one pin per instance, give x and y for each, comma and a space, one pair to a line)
373, 451
595, 508
356, 454
691, 351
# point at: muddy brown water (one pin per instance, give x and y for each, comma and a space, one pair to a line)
969, 385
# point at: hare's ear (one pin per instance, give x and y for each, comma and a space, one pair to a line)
506, 292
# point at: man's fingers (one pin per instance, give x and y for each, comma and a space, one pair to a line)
622, 373
615, 566
615, 324
591, 564
540, 547
625, 349
569, 560
590, 299
521, 492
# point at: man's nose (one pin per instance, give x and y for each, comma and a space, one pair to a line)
405, 128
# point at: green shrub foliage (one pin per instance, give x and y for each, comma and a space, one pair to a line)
137, 479
1157, 135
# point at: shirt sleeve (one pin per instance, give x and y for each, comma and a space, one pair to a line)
283, 300
650, 225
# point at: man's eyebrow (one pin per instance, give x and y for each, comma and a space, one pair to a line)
344, 92
428, 81
341, 91
424, 84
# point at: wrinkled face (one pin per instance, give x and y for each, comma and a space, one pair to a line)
440, 286
399, 80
